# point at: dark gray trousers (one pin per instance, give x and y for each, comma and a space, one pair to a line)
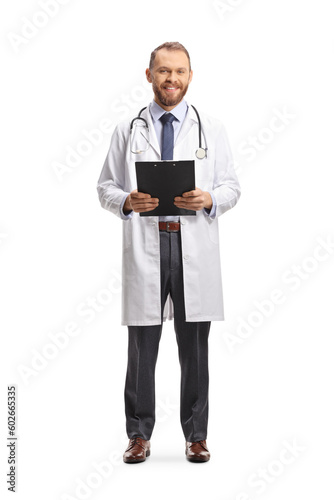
143, 345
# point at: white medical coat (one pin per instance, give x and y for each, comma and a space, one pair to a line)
203, 293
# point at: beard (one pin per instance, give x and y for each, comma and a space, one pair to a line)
169, 100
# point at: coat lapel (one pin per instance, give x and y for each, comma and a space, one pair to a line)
153, 136
189, 121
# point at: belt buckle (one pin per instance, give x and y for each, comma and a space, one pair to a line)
171, 230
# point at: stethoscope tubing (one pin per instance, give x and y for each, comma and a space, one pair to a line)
200, 152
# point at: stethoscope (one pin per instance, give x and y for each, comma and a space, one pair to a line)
200, 152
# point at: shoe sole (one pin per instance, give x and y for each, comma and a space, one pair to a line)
138, 460
197, 460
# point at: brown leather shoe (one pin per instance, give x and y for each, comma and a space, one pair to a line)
197, 451
137, 451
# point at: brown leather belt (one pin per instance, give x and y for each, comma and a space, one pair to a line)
171, 227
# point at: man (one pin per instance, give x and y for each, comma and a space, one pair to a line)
171, 264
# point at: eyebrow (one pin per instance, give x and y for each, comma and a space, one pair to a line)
166, 67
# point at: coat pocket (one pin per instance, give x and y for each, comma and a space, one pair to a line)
214, 231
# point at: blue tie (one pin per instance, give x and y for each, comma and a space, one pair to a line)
167, 136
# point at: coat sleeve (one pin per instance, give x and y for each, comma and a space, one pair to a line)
110, 186
226, 187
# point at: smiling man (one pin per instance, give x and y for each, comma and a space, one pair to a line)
171, 264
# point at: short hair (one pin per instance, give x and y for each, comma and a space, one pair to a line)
168, 46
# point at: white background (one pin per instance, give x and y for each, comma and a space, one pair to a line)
270, 381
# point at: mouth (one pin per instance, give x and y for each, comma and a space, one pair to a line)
171, 89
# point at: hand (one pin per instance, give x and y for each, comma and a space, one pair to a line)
139, 202
194, 200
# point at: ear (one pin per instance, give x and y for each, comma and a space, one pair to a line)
190, 76
148, 76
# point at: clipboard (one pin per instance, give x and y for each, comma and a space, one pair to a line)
165, 180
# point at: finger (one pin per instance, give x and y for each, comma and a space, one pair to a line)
189, 199
140, 195
147, 209
185, 199
150, 206
188, 206
144, 209
193, 192
136, 201
139, 207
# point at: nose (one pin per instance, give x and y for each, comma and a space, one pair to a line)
172, 77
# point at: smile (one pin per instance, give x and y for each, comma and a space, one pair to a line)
171, 89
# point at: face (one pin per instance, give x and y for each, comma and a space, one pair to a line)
170, 77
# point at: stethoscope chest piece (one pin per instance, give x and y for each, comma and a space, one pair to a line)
200, 153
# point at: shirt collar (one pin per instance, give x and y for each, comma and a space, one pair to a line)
179, 111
